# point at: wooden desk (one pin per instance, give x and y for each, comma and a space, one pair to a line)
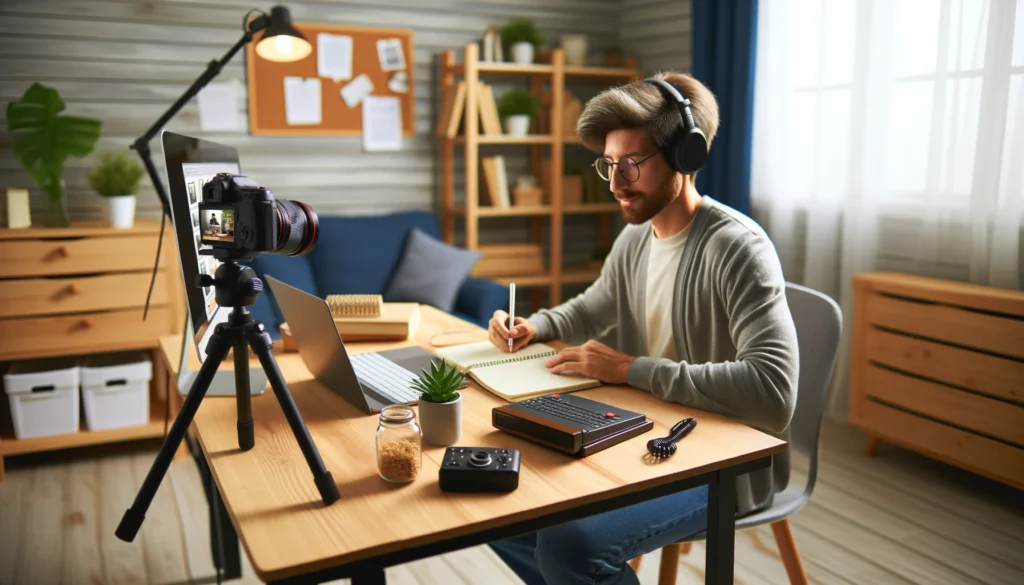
291, 537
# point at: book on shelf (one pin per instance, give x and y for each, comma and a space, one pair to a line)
514, 377
509, 260
495, 183
453, 105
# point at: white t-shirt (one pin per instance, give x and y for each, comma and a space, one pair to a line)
662, 266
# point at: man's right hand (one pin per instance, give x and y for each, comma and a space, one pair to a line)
498, 332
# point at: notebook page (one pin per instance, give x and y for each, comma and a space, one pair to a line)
528, 377
483, 352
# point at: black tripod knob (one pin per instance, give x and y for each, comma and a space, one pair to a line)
204, 280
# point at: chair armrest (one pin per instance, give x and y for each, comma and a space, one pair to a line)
479, 298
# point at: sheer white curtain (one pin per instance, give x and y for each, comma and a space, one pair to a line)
889, 135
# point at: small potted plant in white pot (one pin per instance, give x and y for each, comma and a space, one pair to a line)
521, 38
440, 404
116, 178
518, 107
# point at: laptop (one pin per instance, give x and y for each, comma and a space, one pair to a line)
369, 380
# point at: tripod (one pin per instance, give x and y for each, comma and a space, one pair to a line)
236, 287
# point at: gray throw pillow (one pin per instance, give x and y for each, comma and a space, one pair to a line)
430, 272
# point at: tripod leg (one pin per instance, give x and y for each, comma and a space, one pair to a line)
243, 396
216, 351
261, 344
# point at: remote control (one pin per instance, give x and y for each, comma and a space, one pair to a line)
479, 469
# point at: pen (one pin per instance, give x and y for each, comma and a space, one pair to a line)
511, 312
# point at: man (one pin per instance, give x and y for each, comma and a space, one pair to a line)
690, 306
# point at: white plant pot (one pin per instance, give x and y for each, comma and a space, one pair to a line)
518, 125
441, 422
522, 53
575, 47
121, 211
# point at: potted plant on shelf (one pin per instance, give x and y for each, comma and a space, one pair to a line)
518, 107
522, 39
440, 404
116, 178
44, 140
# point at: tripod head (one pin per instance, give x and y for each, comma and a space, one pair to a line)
235, 285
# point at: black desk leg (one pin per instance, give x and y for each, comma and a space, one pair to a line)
721, 540
369, 577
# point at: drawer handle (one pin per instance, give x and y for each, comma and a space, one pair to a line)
85, 324
73, 289
63, 252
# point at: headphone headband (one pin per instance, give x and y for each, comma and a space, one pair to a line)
687, 149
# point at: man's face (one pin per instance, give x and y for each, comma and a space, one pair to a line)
656, 184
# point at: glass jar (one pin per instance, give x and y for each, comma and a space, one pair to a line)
399, 444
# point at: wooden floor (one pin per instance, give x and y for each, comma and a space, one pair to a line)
897, 518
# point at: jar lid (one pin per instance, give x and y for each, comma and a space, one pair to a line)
397, 413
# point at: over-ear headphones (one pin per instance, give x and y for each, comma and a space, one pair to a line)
687, 149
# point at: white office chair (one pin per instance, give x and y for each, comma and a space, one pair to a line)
818, 322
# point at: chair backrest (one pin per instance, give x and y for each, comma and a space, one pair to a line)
819, 323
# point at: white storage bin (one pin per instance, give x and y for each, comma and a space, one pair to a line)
43, 394
115, 389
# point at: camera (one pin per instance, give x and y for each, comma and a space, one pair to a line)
237, 214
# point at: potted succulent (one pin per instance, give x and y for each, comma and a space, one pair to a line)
116, 178
518, 107
440, 404
522, 39
44, 139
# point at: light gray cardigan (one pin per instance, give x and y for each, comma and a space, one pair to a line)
733, 331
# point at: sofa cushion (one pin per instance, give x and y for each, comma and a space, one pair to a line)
359, 254
430, 272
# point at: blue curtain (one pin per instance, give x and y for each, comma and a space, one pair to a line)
724, 51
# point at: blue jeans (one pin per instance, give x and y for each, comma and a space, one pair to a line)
597, 549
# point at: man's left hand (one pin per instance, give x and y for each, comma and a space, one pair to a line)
594, 360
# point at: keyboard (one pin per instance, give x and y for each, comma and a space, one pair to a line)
563, 408
385, 377
569, 423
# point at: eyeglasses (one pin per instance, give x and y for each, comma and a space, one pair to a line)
629, 169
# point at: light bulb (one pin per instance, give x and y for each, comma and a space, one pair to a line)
284, 44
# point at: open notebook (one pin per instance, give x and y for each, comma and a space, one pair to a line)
514, 377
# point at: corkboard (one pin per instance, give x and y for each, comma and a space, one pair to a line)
266, 80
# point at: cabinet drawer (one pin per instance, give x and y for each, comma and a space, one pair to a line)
83, 334
988, 374
1001, 334
77, 256
994, 459
967, 410
80, 294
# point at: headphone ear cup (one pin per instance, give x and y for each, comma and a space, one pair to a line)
691, 151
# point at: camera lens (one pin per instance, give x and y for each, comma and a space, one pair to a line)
297, 228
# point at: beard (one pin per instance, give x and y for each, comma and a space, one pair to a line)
643, 206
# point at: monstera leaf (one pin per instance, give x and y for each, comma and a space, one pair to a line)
46, 139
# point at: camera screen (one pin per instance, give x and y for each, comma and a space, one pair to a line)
217, 225
207, 225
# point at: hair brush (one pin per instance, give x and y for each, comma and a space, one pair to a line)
666, 447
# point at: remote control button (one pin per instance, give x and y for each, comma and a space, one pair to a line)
610, 414
503, 465
480, 459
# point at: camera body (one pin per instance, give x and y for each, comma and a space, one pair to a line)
238, 215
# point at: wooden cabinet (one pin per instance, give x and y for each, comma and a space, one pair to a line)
938, 367
82, 290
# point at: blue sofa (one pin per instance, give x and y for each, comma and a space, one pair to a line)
358, 255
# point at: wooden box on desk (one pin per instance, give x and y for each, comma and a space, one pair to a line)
938, 367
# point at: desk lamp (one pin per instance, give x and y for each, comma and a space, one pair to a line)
280, 42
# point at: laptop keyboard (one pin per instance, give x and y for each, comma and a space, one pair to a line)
385, 377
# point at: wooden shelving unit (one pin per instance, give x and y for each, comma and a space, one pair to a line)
80, 290
547, 219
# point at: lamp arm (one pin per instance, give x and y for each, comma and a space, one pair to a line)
141, 145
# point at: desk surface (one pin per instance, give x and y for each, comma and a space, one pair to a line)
286, 530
